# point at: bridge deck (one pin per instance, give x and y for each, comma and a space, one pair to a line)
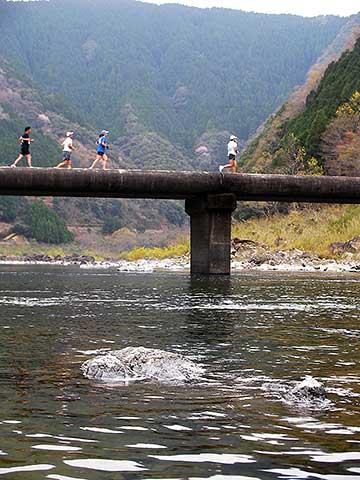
177, 185
210, 197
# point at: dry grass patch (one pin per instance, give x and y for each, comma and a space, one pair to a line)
312, 229
157, 253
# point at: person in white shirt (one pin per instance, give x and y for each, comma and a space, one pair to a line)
68, 148
232, 152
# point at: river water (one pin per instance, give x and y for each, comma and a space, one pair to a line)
250, 331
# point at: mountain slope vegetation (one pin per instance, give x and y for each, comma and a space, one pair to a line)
340, 82
323, 132
183, 70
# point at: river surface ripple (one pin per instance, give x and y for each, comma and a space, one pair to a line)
252, 330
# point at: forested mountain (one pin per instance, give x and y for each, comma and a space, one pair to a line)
184, 71
170, 82
322, 133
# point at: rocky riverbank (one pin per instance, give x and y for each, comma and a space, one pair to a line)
246, 256
84, 261
40, 259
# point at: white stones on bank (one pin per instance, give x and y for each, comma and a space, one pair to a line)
141, 364
178, 264
257, 259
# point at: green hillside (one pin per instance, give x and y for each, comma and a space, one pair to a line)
324, 134
183, 70
340, 82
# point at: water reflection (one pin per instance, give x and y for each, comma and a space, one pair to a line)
202, 325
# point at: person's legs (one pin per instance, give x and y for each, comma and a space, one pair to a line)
66, 161
222, 167
96, 161
29, 160
233, 166
105, 162
17, 160
61, 165
228, 165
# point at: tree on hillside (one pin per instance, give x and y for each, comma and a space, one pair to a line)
294, 158
340, 145
111, 224
46, 225
10, 207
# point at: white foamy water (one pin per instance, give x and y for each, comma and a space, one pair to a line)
178, 428
147, 446
297, 473
129, 427
59, 437
225, 459
31, 302
104, 465
26, 468
226, 477
62, 477
100, 430
336, 457
59, 448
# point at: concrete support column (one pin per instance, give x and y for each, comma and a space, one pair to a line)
211, 233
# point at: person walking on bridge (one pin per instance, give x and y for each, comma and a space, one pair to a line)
102, 146
232, 152
68, 148
25, 141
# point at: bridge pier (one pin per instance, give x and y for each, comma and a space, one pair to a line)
210, 220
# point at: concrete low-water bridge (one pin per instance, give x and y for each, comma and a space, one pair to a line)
210, 198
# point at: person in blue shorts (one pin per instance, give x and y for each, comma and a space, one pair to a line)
102, 146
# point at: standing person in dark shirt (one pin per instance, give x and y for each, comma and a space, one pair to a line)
25, 141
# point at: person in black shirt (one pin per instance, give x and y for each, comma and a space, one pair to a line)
25, 141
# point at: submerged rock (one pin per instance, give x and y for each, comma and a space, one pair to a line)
309, 389
308, 394
139, 363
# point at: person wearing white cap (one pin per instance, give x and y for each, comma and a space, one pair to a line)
68, 148
102, 145
232, 152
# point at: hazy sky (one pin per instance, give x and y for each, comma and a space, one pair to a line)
299, 7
